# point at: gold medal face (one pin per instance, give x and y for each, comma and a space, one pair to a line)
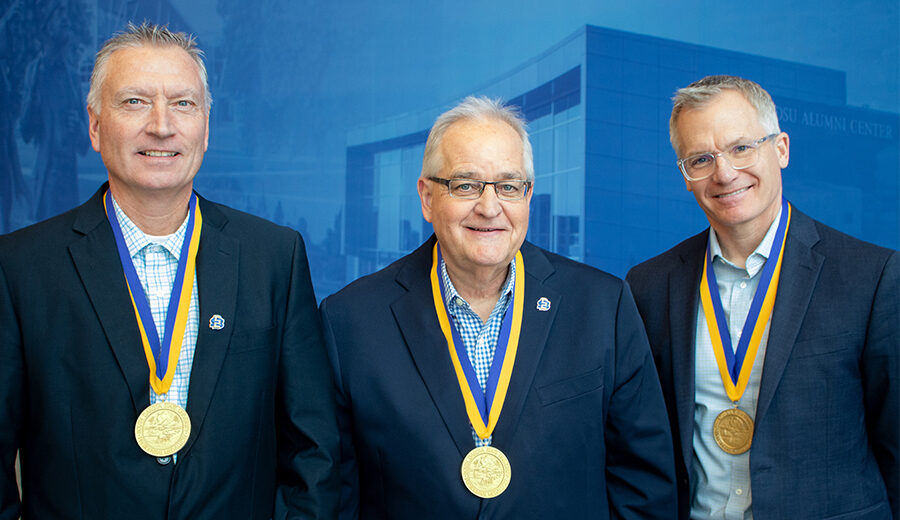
162, 429
733, 431
486, 472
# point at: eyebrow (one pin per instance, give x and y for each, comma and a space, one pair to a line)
732, 144
143, 92
133, 91
506, 176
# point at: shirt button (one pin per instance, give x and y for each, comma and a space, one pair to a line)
459, 301
743, 285
165, 460
739, 491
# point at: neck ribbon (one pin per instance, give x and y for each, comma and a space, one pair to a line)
735, 365
162, 356
482, 407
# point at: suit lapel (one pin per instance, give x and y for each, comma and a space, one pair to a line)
684, 296
217, 274
535, 330
97, 262
418, 323
799, 273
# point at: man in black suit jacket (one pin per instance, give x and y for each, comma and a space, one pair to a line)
582, 431
241, 423
814, 434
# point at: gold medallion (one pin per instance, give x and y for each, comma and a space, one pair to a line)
486, 472
162, 429
733, 431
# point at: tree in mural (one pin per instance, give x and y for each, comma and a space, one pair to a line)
54, 118
16, 49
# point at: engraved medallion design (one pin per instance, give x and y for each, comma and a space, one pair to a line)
162, 429
733, 431
486, 472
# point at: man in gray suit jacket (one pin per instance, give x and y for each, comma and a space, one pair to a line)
775, 336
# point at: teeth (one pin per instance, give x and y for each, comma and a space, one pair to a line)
742, 190
154, 153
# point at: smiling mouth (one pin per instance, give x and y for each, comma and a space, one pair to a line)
485, 229
157, 153
732, 193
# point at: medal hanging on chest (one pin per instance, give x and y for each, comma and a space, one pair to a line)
485, 470
733, 428
162, 428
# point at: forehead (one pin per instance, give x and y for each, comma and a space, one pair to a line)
151, 65
473, 140
726, 113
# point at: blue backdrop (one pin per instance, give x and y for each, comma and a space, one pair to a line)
321, 108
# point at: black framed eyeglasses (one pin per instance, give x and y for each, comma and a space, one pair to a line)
470, 189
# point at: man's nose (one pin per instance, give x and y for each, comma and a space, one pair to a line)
160, 123
723, 171
488, 203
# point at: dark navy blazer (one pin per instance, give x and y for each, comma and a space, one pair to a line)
827, 418
73, 379
584, 424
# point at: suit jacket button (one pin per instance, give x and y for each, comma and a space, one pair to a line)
163, 460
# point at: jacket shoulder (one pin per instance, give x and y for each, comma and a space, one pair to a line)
668, 260
40, 239
381, 285
241, 223
577, 275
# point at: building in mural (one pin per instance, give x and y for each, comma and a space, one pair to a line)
607, 191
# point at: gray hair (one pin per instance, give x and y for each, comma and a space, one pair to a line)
137, 36
700, 93
475, 108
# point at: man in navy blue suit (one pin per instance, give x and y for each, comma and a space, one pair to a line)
482, 377
160, 354
775, 336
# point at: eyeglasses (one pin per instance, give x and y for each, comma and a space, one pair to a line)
471, 189
740, 156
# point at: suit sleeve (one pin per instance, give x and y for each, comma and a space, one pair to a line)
12, 383
880, 371
349, 504
640, 462
307, 432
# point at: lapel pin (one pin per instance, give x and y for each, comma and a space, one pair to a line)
216, 322
543, 304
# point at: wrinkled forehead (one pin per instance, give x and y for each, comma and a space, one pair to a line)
149, 63
727, 116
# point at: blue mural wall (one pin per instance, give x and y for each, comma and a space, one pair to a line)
321, 111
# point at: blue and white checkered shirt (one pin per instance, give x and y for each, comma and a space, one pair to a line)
722, 480
479, 338
156, 261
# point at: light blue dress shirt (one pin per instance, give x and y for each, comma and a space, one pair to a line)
479, 338
722, 481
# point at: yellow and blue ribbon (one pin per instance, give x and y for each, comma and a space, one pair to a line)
735, 365
162, 356
482, 407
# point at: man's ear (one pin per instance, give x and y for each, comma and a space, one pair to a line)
425, 196
783, 149
94, 128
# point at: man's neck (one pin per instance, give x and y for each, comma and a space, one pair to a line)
738, 243
156, 215
480, 287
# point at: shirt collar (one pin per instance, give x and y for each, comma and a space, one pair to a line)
136, 240
451, 294
757, 258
